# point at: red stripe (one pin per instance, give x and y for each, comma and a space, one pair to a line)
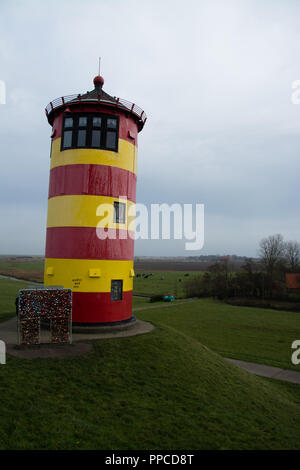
90, 307
127, 126
83, 243
97, 180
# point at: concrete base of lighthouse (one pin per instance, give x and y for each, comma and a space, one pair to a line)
78, 347
105, 326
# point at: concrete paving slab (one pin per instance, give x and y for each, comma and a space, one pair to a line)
9, 334
267, 371
49, 351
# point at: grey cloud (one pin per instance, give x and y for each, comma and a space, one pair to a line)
215, 80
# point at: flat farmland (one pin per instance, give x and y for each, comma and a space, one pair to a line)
170, 265
29, 268
150, 283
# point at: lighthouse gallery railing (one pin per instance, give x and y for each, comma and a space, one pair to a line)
119, 103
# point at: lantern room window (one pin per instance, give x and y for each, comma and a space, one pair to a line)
68, 122
90, 131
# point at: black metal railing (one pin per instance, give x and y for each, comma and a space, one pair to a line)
119, 103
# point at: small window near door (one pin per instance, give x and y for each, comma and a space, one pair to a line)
116, 290
119, 212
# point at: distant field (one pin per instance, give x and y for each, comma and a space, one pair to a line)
22, 268
169, 265
161, 283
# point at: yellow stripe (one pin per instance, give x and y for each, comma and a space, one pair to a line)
74, 274
86, 210
125, 158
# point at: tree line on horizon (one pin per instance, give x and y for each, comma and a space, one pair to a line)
264, 278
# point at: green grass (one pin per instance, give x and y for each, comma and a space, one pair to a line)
26, 265
8, 293
251, 334
29, 269
163, 390
169, 389
288, 388
140, 301
162, 283
145, 302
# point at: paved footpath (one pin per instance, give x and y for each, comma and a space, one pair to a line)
160, 305
268, 371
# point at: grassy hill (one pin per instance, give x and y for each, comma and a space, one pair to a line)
163, 390
251, 334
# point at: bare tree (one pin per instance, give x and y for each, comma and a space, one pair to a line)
271, 250
248, 266
292, 254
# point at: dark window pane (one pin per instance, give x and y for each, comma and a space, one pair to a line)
119, 212
111, 123
97, 121
67, 139
94, 130
81, 138
111, 140
68, 122
96, 136
116, 290
82, 122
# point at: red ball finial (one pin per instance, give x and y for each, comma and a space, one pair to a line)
98, 81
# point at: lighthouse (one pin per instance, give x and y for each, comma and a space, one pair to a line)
91, 202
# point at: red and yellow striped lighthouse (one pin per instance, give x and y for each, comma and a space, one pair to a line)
92, 191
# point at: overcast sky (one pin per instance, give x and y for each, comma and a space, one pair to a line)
215, 79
